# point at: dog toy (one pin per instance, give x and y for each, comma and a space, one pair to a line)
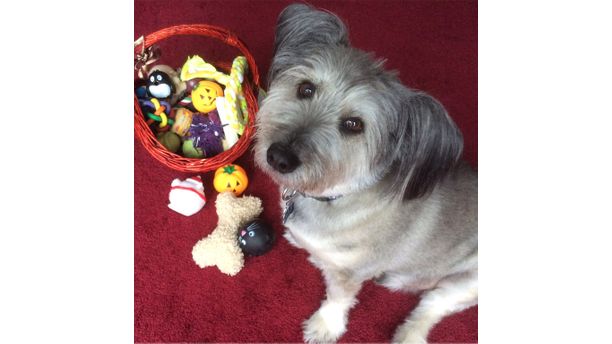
159, 85
235, 95
235, 111
206, 134
192, 83
256, 238
196, 68
185, 102
161, 111
189, 151
163, 82
187, 197
230, 134
231, 178
140, 88
204, 95
220, 248
170, 140
182, 121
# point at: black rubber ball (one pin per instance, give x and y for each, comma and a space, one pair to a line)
256, 238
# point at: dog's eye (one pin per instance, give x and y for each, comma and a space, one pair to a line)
352, 125
306, 90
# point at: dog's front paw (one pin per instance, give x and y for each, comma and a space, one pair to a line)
409, 335
325, 326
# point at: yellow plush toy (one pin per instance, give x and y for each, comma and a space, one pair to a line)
221, 248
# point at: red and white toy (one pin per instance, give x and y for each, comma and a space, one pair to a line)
187, 197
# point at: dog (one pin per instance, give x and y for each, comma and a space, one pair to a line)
372, 182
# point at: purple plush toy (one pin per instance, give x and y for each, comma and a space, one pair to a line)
206, 132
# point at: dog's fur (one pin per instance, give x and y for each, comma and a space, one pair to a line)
408, 212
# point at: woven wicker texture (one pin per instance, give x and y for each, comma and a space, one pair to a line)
251, 82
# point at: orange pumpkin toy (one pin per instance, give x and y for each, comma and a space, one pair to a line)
231, 178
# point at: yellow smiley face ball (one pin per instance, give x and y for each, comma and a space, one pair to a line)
204, 96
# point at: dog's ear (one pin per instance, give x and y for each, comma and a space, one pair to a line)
302, 29
429, 145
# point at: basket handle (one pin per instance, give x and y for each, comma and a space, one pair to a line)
216, 32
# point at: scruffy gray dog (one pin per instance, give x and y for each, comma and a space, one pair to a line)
370, 175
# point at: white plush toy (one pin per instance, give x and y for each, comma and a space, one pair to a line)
187, 197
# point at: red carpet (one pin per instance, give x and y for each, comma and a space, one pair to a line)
432, 44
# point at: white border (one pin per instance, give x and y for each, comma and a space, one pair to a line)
66, 237
545, 167
66, 242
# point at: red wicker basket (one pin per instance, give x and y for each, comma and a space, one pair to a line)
146, 136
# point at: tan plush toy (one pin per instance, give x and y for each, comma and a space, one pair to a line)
221, 248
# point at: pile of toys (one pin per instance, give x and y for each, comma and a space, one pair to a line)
238, 231
196, 111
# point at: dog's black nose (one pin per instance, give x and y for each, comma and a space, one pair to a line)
282, 159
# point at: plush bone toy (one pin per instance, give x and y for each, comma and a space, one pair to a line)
221, 248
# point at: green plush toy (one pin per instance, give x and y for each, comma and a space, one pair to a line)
189, 151
170, 140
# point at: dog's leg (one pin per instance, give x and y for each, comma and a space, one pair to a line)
452, 294
329, 322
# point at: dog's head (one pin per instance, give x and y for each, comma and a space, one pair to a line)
335, 122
